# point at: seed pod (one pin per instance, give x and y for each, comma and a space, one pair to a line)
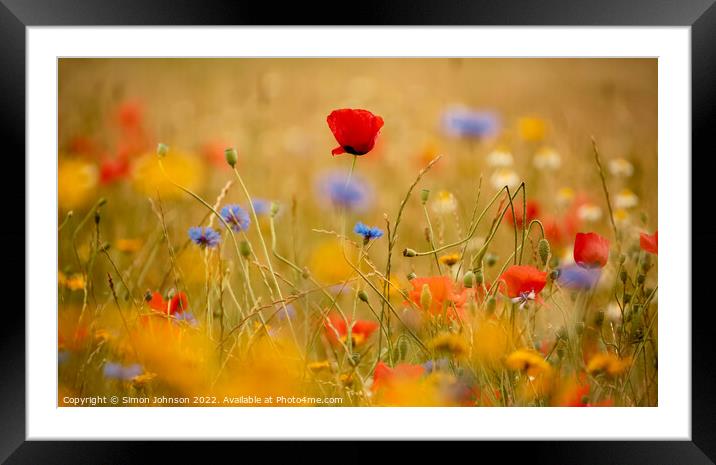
409, 253
469, 279
231, 156
363, 296
479, 277
623, 276
491, 259
424, 195
411, 276
544, 250
490, 306
162, 150
244, 249
274, 208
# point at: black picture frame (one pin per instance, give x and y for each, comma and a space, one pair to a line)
700, 15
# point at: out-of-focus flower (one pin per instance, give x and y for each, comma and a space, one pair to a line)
355, 130
500, 158
565, 196
337, 329
328, 264
214, 153
453, 344
505, 177
385, 377
261, 206
129, 114
112, 170
621, 167
607, 363
177, 304
613, 312
519, 219
76, 182
450, 259
464, 122
333, 190
445, 203
547, 159
74, 282
621, 217
649, 243
236, 217
626, 199
532, 129
589, 212
204, 236
527, 361
591, 250
184, 169
112, 370
491, 340
367, 232
523, 281
576, 277
128, 245
187, 317
445, 295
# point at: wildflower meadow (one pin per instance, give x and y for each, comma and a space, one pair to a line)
357, 232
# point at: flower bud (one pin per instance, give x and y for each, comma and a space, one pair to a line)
426, 298
363, 296
274, 208
244, 249
640, 279
623, 276
544, 250
101, 202
411, 276
622, 259
554, 275
491, 259
469, 279
409, 253
231, 156
479, 277
424, 195
162, 150
491, 305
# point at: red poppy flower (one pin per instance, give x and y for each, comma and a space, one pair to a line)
178, 303
523, 279
113, 169
649, 243
591, 250
443, 292
130, 115
386, 377
355, 130
360, 332
532, 214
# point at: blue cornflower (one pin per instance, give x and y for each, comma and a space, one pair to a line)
333, 190
465, 122
287, 313
367, 232
575, 277
187, 317
261, 206
112, 370
204, 237
236, 217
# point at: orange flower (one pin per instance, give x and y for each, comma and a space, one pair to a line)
443, 293
385, 377
523, 280
361, 330
649, 243
178, 303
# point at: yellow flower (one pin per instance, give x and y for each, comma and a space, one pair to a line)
76, 182
527, 361
142, 380
490, 342
74, 282
621, 217
565, 195
450, 343
445, 203
607, 363
184, 169
129, 245
328, 264
450, 259
532, 128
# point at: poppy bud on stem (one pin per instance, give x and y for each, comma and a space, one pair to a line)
424, 195
363, 296
411, 276
544, 250
409, 253
231, 156
469, 279
162, 150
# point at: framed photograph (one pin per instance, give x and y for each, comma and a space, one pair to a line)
435, 223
